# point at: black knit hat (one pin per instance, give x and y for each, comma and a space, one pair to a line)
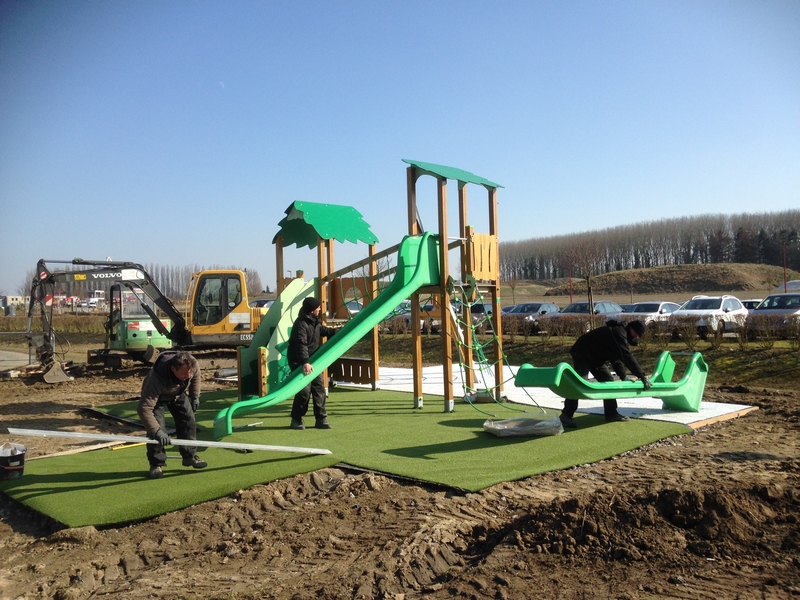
310, 304
638, 327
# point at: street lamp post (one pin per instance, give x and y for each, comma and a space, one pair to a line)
784, 266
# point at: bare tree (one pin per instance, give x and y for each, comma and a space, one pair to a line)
253, 282
585, 256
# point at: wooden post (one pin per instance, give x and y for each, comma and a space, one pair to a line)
464, 233
447, 347
373, 293
279, 263
497, 321
416, 339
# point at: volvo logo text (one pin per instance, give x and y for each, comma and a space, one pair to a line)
116, 275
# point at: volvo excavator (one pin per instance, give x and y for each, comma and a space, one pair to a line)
217, 311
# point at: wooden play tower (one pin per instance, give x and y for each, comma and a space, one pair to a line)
318, 225
480, 263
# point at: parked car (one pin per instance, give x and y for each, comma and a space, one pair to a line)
751, 303
261, 303
429, 319
508, 309
605, 309
710, 314
534, 308
653, 311
525, 316
353, 306
789, 286
627, 307
480, 311
778, 314
601, 307
400, 318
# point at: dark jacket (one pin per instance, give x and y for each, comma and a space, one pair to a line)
161, 385
607, 344
305, 338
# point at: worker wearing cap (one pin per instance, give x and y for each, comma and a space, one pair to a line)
306, 337
591, 353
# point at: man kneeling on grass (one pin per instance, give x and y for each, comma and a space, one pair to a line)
173, 383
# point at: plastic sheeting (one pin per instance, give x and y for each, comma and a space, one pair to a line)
525, 425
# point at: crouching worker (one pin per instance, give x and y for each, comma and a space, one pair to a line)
591, 353
173, 383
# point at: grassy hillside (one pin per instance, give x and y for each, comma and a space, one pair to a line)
684, 278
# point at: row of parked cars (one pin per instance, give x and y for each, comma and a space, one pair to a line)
709, 314
778, 313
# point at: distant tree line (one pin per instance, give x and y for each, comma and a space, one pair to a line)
764, 238
171, 280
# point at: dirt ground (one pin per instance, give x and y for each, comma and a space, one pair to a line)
713, 514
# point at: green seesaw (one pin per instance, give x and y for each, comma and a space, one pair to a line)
683, 395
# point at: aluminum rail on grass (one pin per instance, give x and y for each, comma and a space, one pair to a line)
175, 442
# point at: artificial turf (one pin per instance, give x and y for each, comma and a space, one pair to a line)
375, 430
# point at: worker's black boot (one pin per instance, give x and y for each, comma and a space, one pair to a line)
610, 411
568, 422
616, 417
195, 461
566, 417
297, 424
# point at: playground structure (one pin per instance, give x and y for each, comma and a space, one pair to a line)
422, 269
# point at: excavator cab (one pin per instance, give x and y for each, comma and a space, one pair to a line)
129, 326
218, 311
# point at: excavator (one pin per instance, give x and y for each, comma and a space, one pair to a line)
217, 315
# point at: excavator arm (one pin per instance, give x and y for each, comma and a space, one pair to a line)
127, 273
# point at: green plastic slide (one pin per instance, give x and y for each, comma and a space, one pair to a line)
417, 266
684, 395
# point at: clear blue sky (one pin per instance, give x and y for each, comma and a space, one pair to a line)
178, 132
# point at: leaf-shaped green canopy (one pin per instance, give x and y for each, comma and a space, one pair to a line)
452, 173
306, 222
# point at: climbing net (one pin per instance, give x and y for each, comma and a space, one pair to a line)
482, 368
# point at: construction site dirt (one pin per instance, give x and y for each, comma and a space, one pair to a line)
711, 514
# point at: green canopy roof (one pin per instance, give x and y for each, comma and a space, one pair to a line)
451, 173
306, 222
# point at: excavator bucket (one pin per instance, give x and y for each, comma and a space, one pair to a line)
56, 374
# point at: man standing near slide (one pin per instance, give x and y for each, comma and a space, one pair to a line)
304, 340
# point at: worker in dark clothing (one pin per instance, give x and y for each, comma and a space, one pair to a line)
591, 353
173, 383
304, 340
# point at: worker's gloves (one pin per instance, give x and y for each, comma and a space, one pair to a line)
162, 438
195, 404
646, 382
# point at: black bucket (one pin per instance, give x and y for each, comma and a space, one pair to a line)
12, 460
